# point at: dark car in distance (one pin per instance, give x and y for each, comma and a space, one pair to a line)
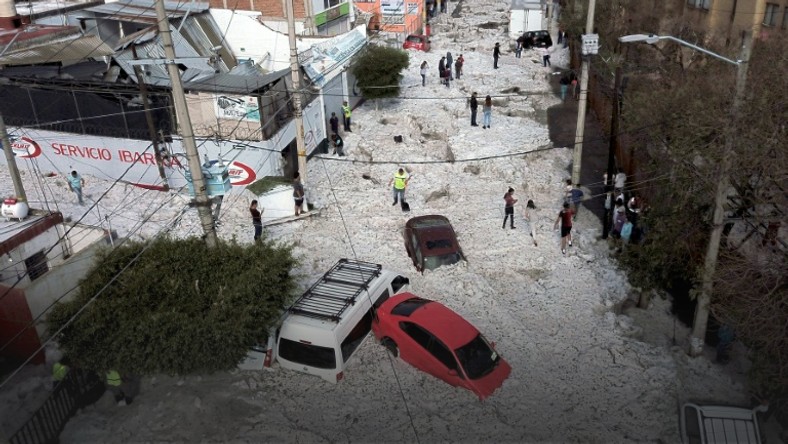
431, 242
536, 39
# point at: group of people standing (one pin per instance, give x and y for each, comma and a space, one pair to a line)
445, 72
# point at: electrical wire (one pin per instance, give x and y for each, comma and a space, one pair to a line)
355, 256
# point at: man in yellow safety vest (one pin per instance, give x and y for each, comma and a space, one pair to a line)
400, 180
346, 113
114, 384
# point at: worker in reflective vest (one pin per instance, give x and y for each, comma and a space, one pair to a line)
115, 385
59, 371
400, 180
346, 112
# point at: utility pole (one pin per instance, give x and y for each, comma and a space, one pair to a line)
611, 152
153, 134
577, 156
296, 77
19, 189
201, 200
721, 196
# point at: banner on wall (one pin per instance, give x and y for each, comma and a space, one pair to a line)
237, 108
133, 161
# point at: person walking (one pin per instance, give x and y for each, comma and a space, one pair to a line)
458, 66
76, 182
334, 122
519, 49
564, 82
339, 145
508, 210
496, 54
423, 72
449, 64
530, 208
298, 193
575, 86
257, 220
545, 52
565, 218
474, 108
441, 67
346, 113
487, 112
576, 197
400, 181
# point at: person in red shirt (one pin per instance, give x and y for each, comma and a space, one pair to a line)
509, 208
565, 218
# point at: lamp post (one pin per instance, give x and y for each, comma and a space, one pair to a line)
723, 181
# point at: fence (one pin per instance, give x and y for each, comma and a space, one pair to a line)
79, 389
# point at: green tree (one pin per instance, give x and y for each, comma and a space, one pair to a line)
378, 71
180, 307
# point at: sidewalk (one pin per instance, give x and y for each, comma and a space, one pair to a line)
562, 124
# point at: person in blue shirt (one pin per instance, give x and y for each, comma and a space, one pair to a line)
76, 182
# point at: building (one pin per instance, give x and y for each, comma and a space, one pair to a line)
399, 17
43, 261
726, 19
313, 17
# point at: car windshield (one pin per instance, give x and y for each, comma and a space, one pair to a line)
433, 262
414, 39
477, 357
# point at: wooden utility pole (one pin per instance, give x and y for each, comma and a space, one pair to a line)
611, 153
577, 156
721, 196
154, 135
296, 78
19, 189
185, 125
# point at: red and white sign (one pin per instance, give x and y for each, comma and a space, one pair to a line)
241, 174
25, 148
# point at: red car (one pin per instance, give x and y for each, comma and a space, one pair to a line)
434, 339
418, 42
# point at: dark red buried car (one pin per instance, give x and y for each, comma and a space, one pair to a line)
434, 339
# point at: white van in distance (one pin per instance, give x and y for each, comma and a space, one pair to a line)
323, 328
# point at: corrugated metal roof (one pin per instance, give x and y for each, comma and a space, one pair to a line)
232, 83
69, 50
143, 11
81, 71
157, 72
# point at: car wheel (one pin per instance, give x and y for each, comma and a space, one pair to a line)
391, 346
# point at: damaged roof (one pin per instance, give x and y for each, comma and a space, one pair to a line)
143, 11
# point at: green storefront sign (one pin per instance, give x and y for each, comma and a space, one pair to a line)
332, 14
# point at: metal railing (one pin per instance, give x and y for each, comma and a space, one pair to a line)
78, 389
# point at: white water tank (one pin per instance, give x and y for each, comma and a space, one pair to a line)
14, 209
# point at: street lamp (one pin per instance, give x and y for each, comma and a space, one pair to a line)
723, 181
652, 39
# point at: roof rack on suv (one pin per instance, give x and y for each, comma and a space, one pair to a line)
338, 289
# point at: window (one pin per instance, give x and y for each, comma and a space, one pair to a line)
770, 16
703, 4
36, 265
785, 18
417, 333
417, 250
356, 336
477, 357
330, 3
399, 282
408, 306
442, 354
383, 298
307, 354
439, 243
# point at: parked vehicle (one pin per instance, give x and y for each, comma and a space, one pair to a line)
418, 42
436, 340
431, 242
711, 424
323, 328
536, 39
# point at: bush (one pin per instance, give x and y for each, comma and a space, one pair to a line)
180, 307
378, 70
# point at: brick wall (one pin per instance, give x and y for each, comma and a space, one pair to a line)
269, 8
